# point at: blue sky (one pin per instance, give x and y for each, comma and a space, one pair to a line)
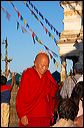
21, 47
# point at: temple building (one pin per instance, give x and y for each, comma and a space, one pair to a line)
71, 39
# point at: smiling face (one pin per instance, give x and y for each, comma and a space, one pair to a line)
41, 63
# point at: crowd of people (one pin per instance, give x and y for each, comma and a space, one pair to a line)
41, 101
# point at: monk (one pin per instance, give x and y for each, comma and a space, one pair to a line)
36, 95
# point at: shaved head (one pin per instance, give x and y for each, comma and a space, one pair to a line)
41, 63
41, 55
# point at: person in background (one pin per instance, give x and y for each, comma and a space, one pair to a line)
71, 80
70, 110
67, 111
77, 97
80, 79
36, 94
58, 99
5, 101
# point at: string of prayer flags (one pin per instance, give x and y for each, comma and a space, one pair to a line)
48, 51
7, 14
46, 48
23, 29
47, 22
14, 7
20, 17
51, 51
35, 37
40, 41
8, 17
27, 23
35, 9
46, 30
41, 15
54, 54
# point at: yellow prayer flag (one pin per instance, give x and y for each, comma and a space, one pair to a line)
25, 22
52, 36
24, 2
56, 64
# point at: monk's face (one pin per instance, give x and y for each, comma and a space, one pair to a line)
41, 63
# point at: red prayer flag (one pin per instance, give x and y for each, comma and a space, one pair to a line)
18, 14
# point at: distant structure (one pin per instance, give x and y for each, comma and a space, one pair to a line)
7, 60
13, 120
71, 39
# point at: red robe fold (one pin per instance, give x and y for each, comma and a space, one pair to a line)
35, 95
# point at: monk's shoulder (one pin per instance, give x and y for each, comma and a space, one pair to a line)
48, 72
28, 70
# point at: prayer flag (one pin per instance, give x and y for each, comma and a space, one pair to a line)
8, 15
25, 22
3, 9
21, 18
18, 14
54, 60
17, 25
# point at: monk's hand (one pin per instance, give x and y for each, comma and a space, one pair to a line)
24, 120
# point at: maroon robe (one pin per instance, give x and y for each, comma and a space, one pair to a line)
35, 97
